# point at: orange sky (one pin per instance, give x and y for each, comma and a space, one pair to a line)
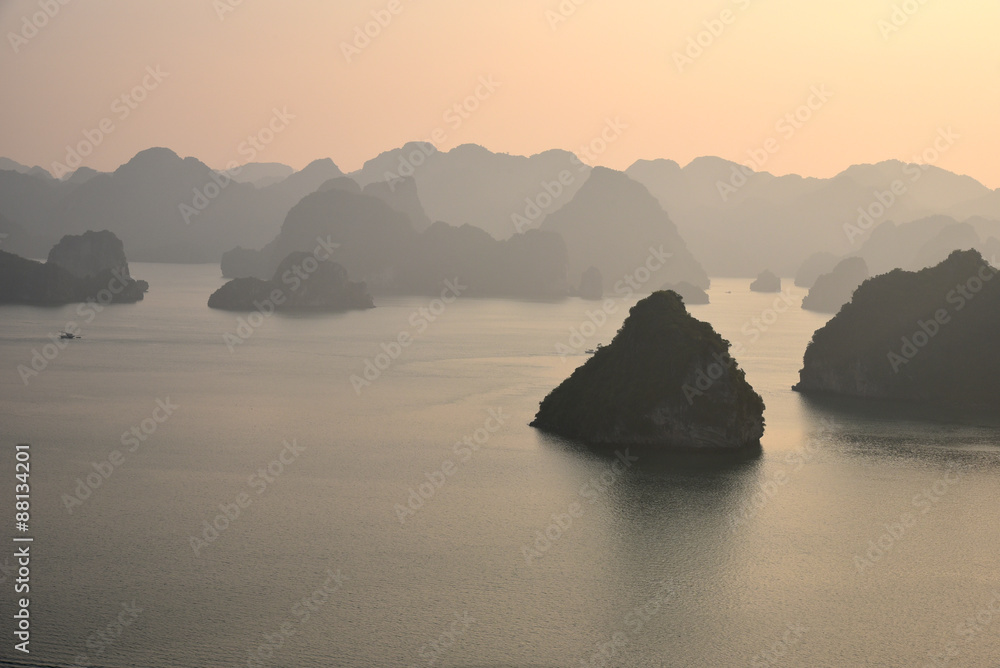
558, 81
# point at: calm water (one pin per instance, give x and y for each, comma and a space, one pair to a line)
654, 557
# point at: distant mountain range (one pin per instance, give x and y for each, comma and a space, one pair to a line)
776, 222
163, 207
721, 218
469, 185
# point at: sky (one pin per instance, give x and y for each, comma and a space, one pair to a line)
785, 86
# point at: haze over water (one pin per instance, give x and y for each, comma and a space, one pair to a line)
660, 535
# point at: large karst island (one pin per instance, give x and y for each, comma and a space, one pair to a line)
89, 266
926, 337
666, 383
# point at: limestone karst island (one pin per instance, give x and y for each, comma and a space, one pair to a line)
666, 381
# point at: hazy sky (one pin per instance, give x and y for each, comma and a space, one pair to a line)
558, 81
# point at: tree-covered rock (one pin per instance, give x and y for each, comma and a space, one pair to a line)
925, 337
666, 381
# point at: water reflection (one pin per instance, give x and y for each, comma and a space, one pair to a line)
873, 412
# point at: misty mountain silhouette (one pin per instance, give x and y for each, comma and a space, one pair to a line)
379, 245
781, 221
262, 174
143, 203
912, 246
732, 219
472, 185
612, 223
402, 196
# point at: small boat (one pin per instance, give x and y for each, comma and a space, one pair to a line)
69, 335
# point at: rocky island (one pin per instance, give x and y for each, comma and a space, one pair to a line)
666, 382
926, 337
87, 267
766, 282
302, 282
833, 290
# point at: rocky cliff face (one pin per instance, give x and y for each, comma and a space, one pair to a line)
301, 283
666, 382
923, 337
90, 253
